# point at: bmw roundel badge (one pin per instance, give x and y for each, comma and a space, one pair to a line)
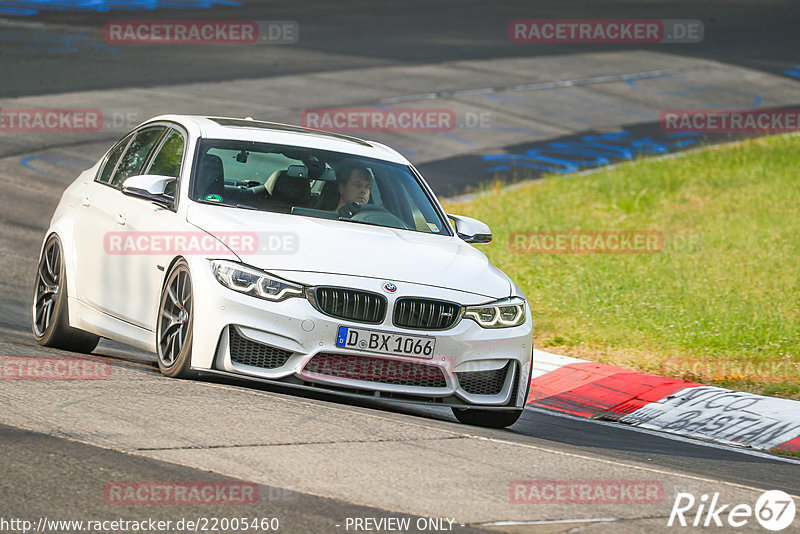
389, 287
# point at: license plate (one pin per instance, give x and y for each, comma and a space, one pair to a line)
385, 342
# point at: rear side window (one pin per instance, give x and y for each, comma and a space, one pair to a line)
113, 158
168, 160
135, 157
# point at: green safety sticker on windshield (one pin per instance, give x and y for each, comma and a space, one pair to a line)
213, 198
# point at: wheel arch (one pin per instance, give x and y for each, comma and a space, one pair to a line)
165, 275
65, 238
169, 267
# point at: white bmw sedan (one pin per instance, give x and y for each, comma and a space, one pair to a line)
281, 254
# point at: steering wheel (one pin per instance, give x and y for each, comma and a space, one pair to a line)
373, 214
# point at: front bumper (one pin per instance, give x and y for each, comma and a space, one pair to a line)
294, 343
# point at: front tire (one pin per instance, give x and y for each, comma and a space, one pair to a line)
494, 418
50, 314
487, 418
174, 326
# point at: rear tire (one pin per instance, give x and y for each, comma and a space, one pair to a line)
175, 323
487, 418
50, 314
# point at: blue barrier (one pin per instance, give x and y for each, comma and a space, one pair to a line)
26, 162
32, 7
794, 71
590, 151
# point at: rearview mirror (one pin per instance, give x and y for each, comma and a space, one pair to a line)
297, 171
471, 230
149, 187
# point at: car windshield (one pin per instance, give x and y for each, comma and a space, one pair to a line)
312, 183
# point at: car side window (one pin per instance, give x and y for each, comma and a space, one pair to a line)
135, 157
169, 158
111, 161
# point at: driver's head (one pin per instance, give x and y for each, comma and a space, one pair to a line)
354, 185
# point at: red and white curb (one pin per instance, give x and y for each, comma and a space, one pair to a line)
596, 390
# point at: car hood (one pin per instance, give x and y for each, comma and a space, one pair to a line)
304, 244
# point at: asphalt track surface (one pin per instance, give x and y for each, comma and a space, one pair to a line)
316, 459
337, 35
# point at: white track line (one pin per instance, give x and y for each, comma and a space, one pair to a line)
532, 86
522, 445
545, 522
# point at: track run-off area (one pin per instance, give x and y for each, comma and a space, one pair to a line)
318, 463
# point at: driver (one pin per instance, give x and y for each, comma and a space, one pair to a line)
354, 185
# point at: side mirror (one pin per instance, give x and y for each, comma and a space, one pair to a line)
471, 230
149, 187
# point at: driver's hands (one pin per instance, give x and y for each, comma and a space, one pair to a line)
350, 209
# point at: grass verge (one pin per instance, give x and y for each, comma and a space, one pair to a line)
718, 302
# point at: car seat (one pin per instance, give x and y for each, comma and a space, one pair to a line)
211, 177
287, 191
329, 196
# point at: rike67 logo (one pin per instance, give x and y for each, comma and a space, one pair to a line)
774, 510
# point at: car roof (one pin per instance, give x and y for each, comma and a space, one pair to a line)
258, 131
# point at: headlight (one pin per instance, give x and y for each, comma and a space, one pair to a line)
501, 314
253, 282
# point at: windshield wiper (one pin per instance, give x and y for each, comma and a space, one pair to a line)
203, 201
373, 224
362, 222
243, 206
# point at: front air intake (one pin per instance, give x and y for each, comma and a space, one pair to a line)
247, 352
483, 382
373, 369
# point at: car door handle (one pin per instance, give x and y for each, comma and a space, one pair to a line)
120, 219
86, 201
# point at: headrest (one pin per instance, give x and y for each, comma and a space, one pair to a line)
295, 191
